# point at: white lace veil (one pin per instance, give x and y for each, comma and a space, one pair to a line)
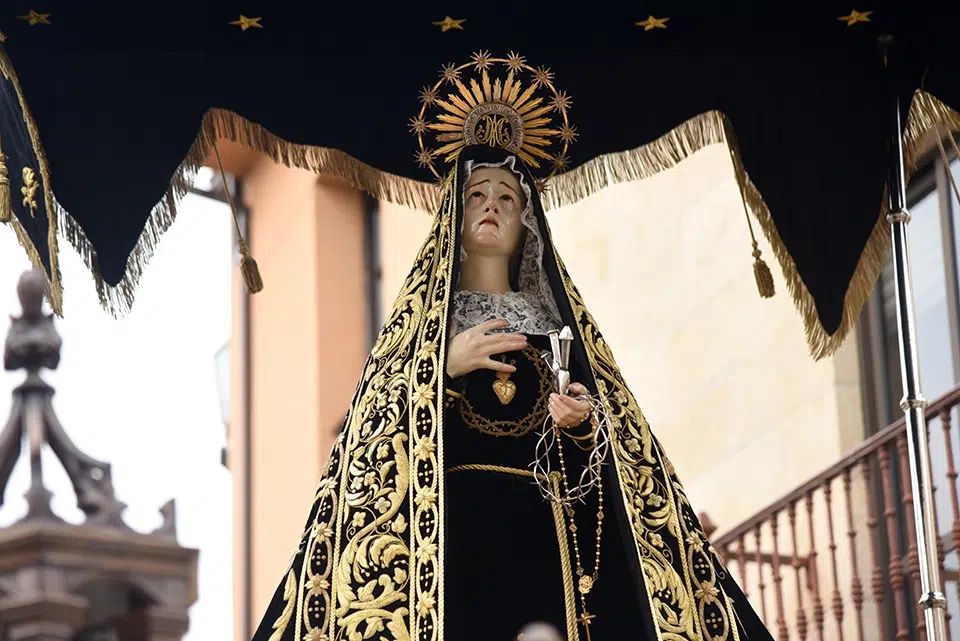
533, 309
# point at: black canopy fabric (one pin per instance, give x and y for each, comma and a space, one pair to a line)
113, 107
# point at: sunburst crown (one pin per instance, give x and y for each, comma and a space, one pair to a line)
500, 102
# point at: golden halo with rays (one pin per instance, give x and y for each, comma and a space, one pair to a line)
523, 113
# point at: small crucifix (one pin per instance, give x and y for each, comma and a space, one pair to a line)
586, 620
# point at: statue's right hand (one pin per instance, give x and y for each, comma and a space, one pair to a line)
474, 349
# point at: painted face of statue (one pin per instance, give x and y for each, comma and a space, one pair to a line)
493, 203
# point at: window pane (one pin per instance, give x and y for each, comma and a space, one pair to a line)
955, 172
933, 330
954, 205
930, 297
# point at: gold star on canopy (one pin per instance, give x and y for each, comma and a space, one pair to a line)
855, 16
246, 23
35, 18
449, 23
652, 23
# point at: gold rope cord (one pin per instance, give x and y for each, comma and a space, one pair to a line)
54, 279
484, 467
560, 521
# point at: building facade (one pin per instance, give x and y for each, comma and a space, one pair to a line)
724, 376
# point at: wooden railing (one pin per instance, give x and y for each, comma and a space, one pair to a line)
807, 583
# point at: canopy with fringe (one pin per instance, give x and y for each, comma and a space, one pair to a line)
113, 109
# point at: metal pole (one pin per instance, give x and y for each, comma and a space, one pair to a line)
932, 601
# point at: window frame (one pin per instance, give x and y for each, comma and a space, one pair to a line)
881, 383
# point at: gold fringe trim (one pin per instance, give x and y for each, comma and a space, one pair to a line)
220, 124
635, 164
712, 127
54, 278
927, 117
926, 114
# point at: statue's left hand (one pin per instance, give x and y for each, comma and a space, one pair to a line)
568, 411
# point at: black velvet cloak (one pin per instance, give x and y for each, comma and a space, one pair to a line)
371, 559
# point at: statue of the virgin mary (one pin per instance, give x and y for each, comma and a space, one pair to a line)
471, 491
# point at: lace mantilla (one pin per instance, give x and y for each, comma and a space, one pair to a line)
523, 311
533, 309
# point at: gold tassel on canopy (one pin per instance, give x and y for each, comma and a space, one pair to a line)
249, 270
761, 272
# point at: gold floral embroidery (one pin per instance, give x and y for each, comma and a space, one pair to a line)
371, 560
426, 475
29, 190
289, 594
682, 581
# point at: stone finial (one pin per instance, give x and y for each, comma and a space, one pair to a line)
33, 342
31, 288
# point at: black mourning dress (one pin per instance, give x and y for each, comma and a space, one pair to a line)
509, 554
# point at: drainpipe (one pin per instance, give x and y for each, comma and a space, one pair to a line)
243, 216
371, 222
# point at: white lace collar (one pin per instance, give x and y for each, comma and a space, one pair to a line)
524, 311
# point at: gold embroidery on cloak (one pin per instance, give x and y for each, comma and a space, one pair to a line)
646, 484
355, 574
289, 594
427, 474
29, 191
372, 559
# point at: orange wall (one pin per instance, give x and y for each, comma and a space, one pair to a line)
308, 334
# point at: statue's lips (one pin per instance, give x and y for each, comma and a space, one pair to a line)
489, 221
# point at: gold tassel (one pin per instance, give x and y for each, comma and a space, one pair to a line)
249, 270
6, 214
762, 274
